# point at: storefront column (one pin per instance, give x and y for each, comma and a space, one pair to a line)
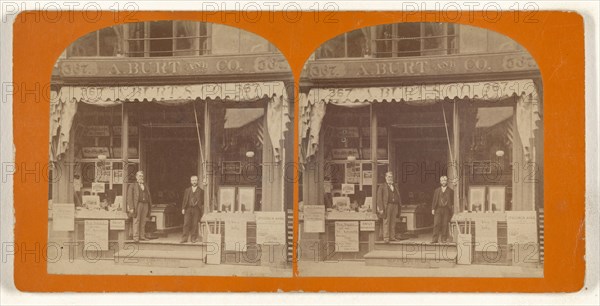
272, 179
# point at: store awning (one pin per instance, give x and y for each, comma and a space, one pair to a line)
312, 105
64, 104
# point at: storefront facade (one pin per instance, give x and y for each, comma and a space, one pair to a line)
186, 98
435, 100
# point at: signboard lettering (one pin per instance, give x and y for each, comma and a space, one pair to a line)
96, 234
141, 67
430, 65
346, 236
521, 227
270, 227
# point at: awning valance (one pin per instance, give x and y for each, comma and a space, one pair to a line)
63, 104
312, 104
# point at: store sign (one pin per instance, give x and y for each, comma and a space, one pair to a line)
96, 235
314, 218
270, 227
343, 153
173, 66
94, 152
97, 131
63, 217
521, 227
421, 66
346, 236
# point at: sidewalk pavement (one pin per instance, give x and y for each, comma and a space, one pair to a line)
360, 269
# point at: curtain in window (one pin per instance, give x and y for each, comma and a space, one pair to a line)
186, 41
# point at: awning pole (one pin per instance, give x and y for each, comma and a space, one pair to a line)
447, 135
200, 145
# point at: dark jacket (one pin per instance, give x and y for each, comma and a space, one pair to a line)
437, 196
133, 195
188, 193
383, 193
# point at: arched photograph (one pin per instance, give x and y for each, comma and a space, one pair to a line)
421, 154
168, 141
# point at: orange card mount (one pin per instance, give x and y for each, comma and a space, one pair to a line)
250, 163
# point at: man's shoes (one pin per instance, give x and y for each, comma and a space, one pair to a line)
136, 240
386, 241
143, 239
194, 240
433, 242
183, 241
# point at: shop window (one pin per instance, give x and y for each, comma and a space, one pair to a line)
348, 168
168, 38
486, 149
351, 44
99, 169
105, 42
393, 40
415, 39
237, 138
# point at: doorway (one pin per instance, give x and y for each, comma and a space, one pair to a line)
420, 155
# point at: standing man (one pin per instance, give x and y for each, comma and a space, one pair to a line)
442, 209
139, 203
193, 203
388, 206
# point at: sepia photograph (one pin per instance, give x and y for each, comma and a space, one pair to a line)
169, 140
439, 129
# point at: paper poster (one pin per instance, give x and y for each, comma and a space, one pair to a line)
352, 173
117, 176
63, 217
117, 225
96, 235
98, 187
346, 236
521, 227
367, 177
486, 237
235, 235
103, 172
314, 218
270, 228
347, 188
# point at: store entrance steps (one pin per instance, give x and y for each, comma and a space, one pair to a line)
162, 253
412, 254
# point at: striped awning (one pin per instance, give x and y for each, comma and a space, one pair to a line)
63, 104
312, 104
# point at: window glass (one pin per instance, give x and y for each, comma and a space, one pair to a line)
161, 43
84, 46
486, 144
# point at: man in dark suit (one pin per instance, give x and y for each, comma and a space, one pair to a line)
193, 204
139, 203
442, 209
388, 206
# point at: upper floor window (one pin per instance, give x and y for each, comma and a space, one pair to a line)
167, 38
394, 40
